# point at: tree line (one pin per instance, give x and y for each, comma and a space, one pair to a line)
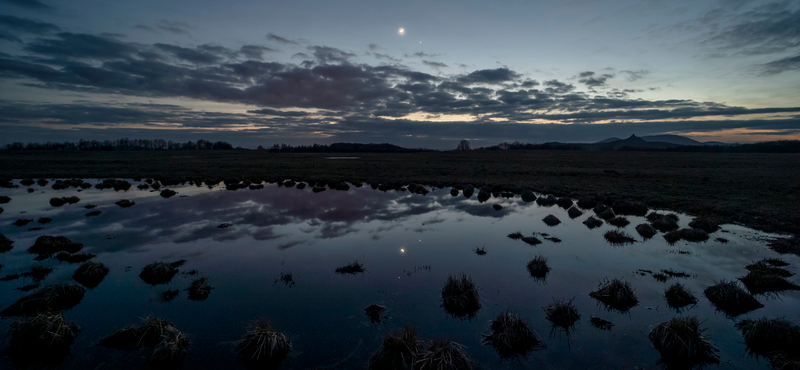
122, 144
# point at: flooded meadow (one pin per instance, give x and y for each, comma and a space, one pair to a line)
332, 270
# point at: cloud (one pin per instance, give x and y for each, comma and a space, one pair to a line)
326, 54
490, 76
255, 51
766, 29
9, 37
279, 39
273, 112
197, 56
635, 75
81, 46
373, 47
384, 56
781, 65
176, 27
29, 4
420, 54
434, 64
588, 79
26, 25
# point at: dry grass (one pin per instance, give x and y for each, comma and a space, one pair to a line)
263, 346
601, 323
562, 314
199, 289
170, 350
615, 294
592, 222
399, 351
679, 297
618, 237
511, 336
158, 273
351, 268
551, 220
47, 245
90, 274
682, 345
56, 297
460, 296
537, 267
765, 337
44, 339
443, 354
729, 298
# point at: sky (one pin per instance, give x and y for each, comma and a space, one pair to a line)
420, 74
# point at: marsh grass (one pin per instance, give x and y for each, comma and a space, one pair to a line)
511, 336
262, 346
675, 274
704, 223
564, 202
528, 196
607, 214
375, 313
47, 245
615, 294
351, 268
170, 350
199, 289
592, 222
546, 201
619, 221
664, 223
551, 220
515, 235
574, 212
124, 203
785, 245
646, 231
729, 298
601, 323
5, 244
480, 251
587, 202
681, 344
679, 297
158, 273
56, 297
562, 314
169, 295
399, 351
460, 297
691, 235
766, 337
38, 272
538, 268
615, 237
631, 208
761, 282
44, 339
21, 222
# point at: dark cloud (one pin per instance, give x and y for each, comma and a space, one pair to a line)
29, 4
635, 75
781, 65
588, 78
558, 87
766, 29
434, 64
176, 27
420, 54
279, 39
490, 76
385, 57
9, 37
327, 54
26, 25
81, 46
255, 51
197, 56
585, 74
273, 112
373, 47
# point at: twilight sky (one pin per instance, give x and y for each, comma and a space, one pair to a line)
302, 72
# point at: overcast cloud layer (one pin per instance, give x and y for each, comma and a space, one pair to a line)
162, 78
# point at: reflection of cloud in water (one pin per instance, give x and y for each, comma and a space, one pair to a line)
288, 245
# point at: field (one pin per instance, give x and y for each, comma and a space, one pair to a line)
759, 190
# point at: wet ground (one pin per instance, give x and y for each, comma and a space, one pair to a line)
245, 241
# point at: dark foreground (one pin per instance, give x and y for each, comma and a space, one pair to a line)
761, 191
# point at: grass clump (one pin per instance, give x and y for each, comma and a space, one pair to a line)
125, 203
564, 202
58, 202
399, 351
511, 336
170, 350
74, 258
159, 272
771, 338
771, 267
44, 339
615, 294
21, 222
592, 222
682, 345
262, 346
632, 208
562, 314
691, 235
729, 298
351, 268
706, 224
646, 231
168, 344
166, 193
537, 267
5, 244
375, 313
199, 289
56, 297
547, 201
786, 245
587, 203
618, 237
444, 354
460, 296
619, 221
528, 196
90, 274
480, 251
679, 297
664, 223
47, 245
761, 282
574, 212
531, 240
551, 220
607, 214
601, 323
516, 235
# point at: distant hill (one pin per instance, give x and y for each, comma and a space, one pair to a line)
634, 142
670, 139
608, 140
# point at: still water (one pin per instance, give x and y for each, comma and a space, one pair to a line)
408, 243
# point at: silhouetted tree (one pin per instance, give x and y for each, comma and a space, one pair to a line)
463, 145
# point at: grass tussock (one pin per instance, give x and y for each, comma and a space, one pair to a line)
593, 222
511, 336
168, 344
480, 251
515, 235
547, 201
375, 313
56, 297
646, 231
551, 220
444, 354
170, 350
761, 282
766, 267
528, 196
73, 257
681, 344
618, 237
351, 268
731, 299
399, 351
460, 296
663, 223
574, 212
601, 323
607, 214
615, 294
786, 245
679, 297
262, 346
631, 208
691, 235
562, 314
619, 221
158, 273
537, 267
44, 339
587, 203
58, 202
564, 202
199, 289
531, 240
706, 224
125, 203
166, 193
767, 337
47, 245
5, 244
169, 295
